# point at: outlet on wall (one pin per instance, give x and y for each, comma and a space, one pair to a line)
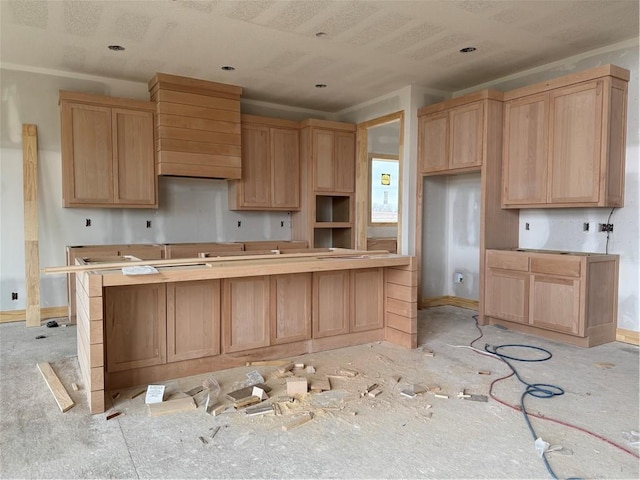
459, 277
14, 295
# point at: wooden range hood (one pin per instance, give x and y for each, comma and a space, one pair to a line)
198, 127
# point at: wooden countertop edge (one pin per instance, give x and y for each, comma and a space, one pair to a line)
251, 268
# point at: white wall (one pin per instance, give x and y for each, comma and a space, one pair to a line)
562, 229
190, 210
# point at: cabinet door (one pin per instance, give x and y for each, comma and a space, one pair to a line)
465, 136
525, 151
134, 157
193, 320
433, 142
245, 313
87, 154
135, 323
507, 295
290, 308
323, 160
256, 170
576, 129
555, 304
285, 168
330, 303
367, 299
345, 162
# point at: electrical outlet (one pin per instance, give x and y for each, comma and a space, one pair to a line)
87, 222
605, 227
148, 223
14, 295
459, 277
239, 223
585, 227
281, 223
526, 226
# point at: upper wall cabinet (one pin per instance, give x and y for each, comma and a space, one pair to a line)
107, 151
451, 134
270, 166
564, 141
198, 127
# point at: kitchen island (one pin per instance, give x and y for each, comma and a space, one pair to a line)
200, 315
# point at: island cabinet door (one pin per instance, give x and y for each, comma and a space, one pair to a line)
135, 323
290, 308
193, 320
330, 303
245, 313
367, 299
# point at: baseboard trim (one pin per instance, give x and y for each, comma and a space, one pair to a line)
45, 313
628, 336
449, 300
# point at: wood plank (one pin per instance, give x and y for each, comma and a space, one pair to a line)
197, 99
407, 340
199, 160
176, 405
197, 112
199, 124
628, 336
199, 136
186, 146
402, 277
31, 249
405, 309
21, 315
314, 122
404, 324
449, 300
55, 385
187, 170
187, 84
402, 292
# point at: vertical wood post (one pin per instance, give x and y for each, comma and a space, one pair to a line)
31, 251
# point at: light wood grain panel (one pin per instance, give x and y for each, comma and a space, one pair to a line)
290, 308
134, 158
402, 277
433, 144
330, 303
196, 112
191, 250
407, 340
135, 323
328, 124
402, 292
555, 304
367, 299
191, 170
285, 168
466, 135
198, 100
602, 293
507, 295
193, 320
245, 313
60, 394
323, 160
616, 104
255, 187
404, 324
199, 124
399, 307
508, 260
199, 136
556, 265
186, 146
187, 84
198, 160
344, 162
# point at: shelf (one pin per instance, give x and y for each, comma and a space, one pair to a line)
332, 237
333, 208
332, 225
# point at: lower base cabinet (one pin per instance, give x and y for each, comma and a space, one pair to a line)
193, 320
290, 308
566, 297
135, 324
245, 313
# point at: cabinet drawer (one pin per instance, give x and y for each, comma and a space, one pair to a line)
556, 265
508, 260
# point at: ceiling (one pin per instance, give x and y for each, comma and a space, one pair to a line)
370, 47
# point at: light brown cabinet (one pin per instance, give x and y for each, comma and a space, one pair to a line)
290, 308
108, 152
347, 301
270, 166
326, 217
245, 313
567, 297
451, 138
193, 320
135, 326
564, 141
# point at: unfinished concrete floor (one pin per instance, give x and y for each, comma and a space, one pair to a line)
389, 436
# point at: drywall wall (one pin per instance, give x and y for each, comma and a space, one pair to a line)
562, 229
190, 210
451, 236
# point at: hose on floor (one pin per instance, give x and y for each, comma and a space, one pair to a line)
526, 414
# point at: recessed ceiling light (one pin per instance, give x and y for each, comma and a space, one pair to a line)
116, 48
467, 49
228, 68
321, 85
321, 34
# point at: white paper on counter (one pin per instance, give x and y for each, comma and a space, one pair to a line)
139, 270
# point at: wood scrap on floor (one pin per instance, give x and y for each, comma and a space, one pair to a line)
305, 418
259, 410
60, 394
266, 363
174, 405
296, 385
113, 415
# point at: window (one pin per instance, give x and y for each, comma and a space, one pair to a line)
384, 181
